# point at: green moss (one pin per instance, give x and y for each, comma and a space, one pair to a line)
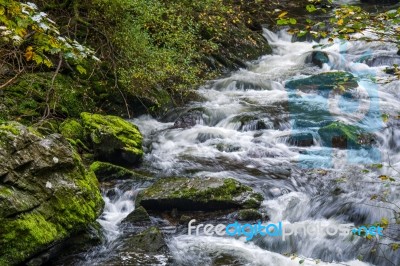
325, 81
34, 222
249, 215
24, 235
25, 100
107, 171
112, 137
5, 192
202, 190
9, 127
123, 130
341, 135
71, 129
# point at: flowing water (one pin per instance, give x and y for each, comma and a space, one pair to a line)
244, 128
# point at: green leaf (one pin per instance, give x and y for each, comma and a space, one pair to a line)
311, 8
301, 261
292, 21
81, 69
282, 22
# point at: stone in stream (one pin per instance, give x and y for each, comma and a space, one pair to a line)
198, 194
249, 123
107, 172
302, 139
249, 215
343, 136
113, 139
147, 247
328, 81
318, 58
138, 217
190, 118
45, 192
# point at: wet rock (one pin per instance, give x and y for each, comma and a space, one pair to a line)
343, 136
249, 215
147, 247
324, 82
195, 194
189, 119
223, 147
318, 58
150, 241
203, 137
249, 123
107, 171
301, 139
45, 192
113, 139
383, 60
138, 217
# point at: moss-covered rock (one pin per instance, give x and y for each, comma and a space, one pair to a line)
338, 81
107, 171
45, 192
137, 217
150, 240
340, 135
113, 139
249, 215
72, 129
193, 194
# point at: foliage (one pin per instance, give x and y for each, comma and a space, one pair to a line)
28, 35
345, 21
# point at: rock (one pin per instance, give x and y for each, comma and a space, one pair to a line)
78, 243
318, 58
324, 82
195, 194
150, 241
190, 119
249, 215
107, 171
147, 247
343, 136
47, 126
301, 139
113, 139
138, 217
225, 147
249, 123
72, 129
45, 192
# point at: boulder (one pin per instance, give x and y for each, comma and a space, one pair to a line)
343, 136
45, 192
72, 129
113, 139
190, 118
249, 123
138, 217
198, 194
324, 82
318, 58
107, 171
302, 139
147, 247
249, 215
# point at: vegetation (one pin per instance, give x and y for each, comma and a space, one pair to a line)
151, 54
